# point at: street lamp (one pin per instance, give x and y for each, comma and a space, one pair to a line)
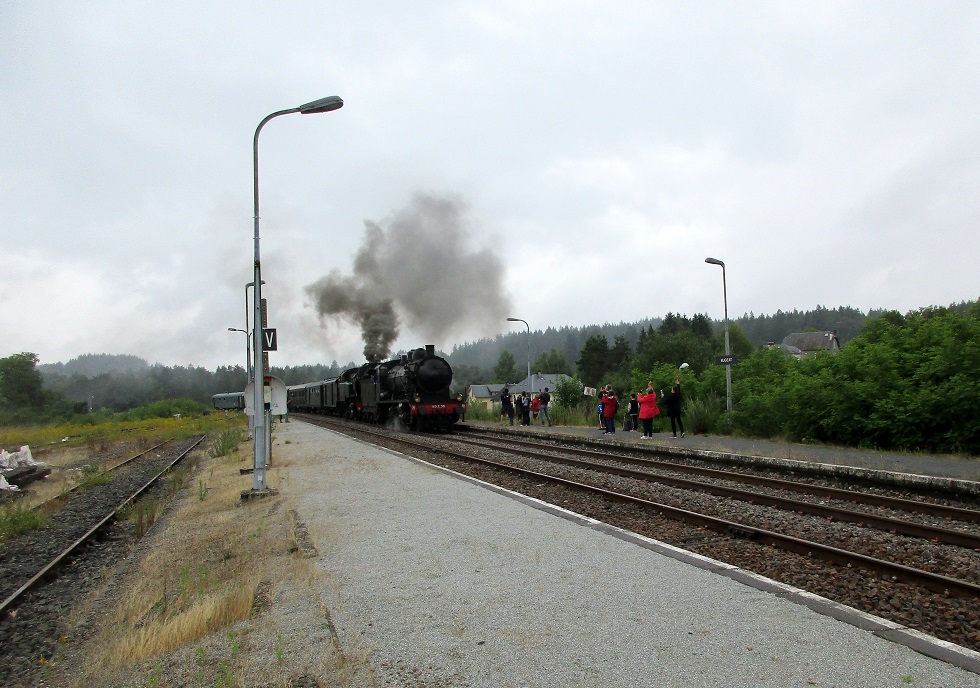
258, 380
728, 350
529, 381
248, 354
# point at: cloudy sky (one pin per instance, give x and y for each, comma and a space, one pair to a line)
564, 163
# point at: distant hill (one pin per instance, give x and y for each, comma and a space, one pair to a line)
93, 365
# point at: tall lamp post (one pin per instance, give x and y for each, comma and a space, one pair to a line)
529, 381
248, 353
728, 350
258, 380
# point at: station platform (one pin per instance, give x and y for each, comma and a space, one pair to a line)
440, 580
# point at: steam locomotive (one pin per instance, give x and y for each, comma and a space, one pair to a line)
412, 390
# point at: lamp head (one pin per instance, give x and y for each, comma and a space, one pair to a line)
322, 105
714, 261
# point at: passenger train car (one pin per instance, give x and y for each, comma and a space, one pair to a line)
229, 401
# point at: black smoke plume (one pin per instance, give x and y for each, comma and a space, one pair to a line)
418, 267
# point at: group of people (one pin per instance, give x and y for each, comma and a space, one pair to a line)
527, 404
641, 408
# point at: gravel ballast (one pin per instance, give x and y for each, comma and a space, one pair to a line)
440, 581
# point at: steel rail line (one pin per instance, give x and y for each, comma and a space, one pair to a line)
893, 525
122, 463
897, 503
60, 558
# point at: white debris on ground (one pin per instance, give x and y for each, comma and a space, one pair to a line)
12, 460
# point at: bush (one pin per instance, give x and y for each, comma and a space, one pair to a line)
167, 408
16, 519
703, 414
227, 442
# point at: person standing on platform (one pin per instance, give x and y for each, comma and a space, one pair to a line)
648, 410
507, 404
545, 400
525, 400
672, 405
633, 411
610, 404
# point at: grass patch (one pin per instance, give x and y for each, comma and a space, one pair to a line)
142, 513
98, 437
227, 442
18, 518
214, 595
176, 627
199, 578
93, 475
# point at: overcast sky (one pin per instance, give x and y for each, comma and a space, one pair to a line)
581, 160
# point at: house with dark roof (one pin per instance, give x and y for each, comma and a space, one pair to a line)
801, 344
488, 395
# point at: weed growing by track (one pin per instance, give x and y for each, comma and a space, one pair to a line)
17, 518
227, 442
142, 513
93, 475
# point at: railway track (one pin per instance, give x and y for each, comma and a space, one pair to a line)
878, 553
47, 570
714, 483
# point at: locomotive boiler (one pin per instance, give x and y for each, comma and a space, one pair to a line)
413, 390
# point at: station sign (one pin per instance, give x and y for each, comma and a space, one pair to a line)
269, 340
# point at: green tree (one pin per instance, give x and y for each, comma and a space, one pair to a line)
593, 362
907, 382
621, 354
551, 362
506, 368
701, 326
568, 392
739, 344
466, 375
20, 383
672, 324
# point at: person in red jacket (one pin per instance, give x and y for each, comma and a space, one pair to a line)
610, 404
648, 410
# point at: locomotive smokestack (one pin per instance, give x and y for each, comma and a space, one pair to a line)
418, 268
